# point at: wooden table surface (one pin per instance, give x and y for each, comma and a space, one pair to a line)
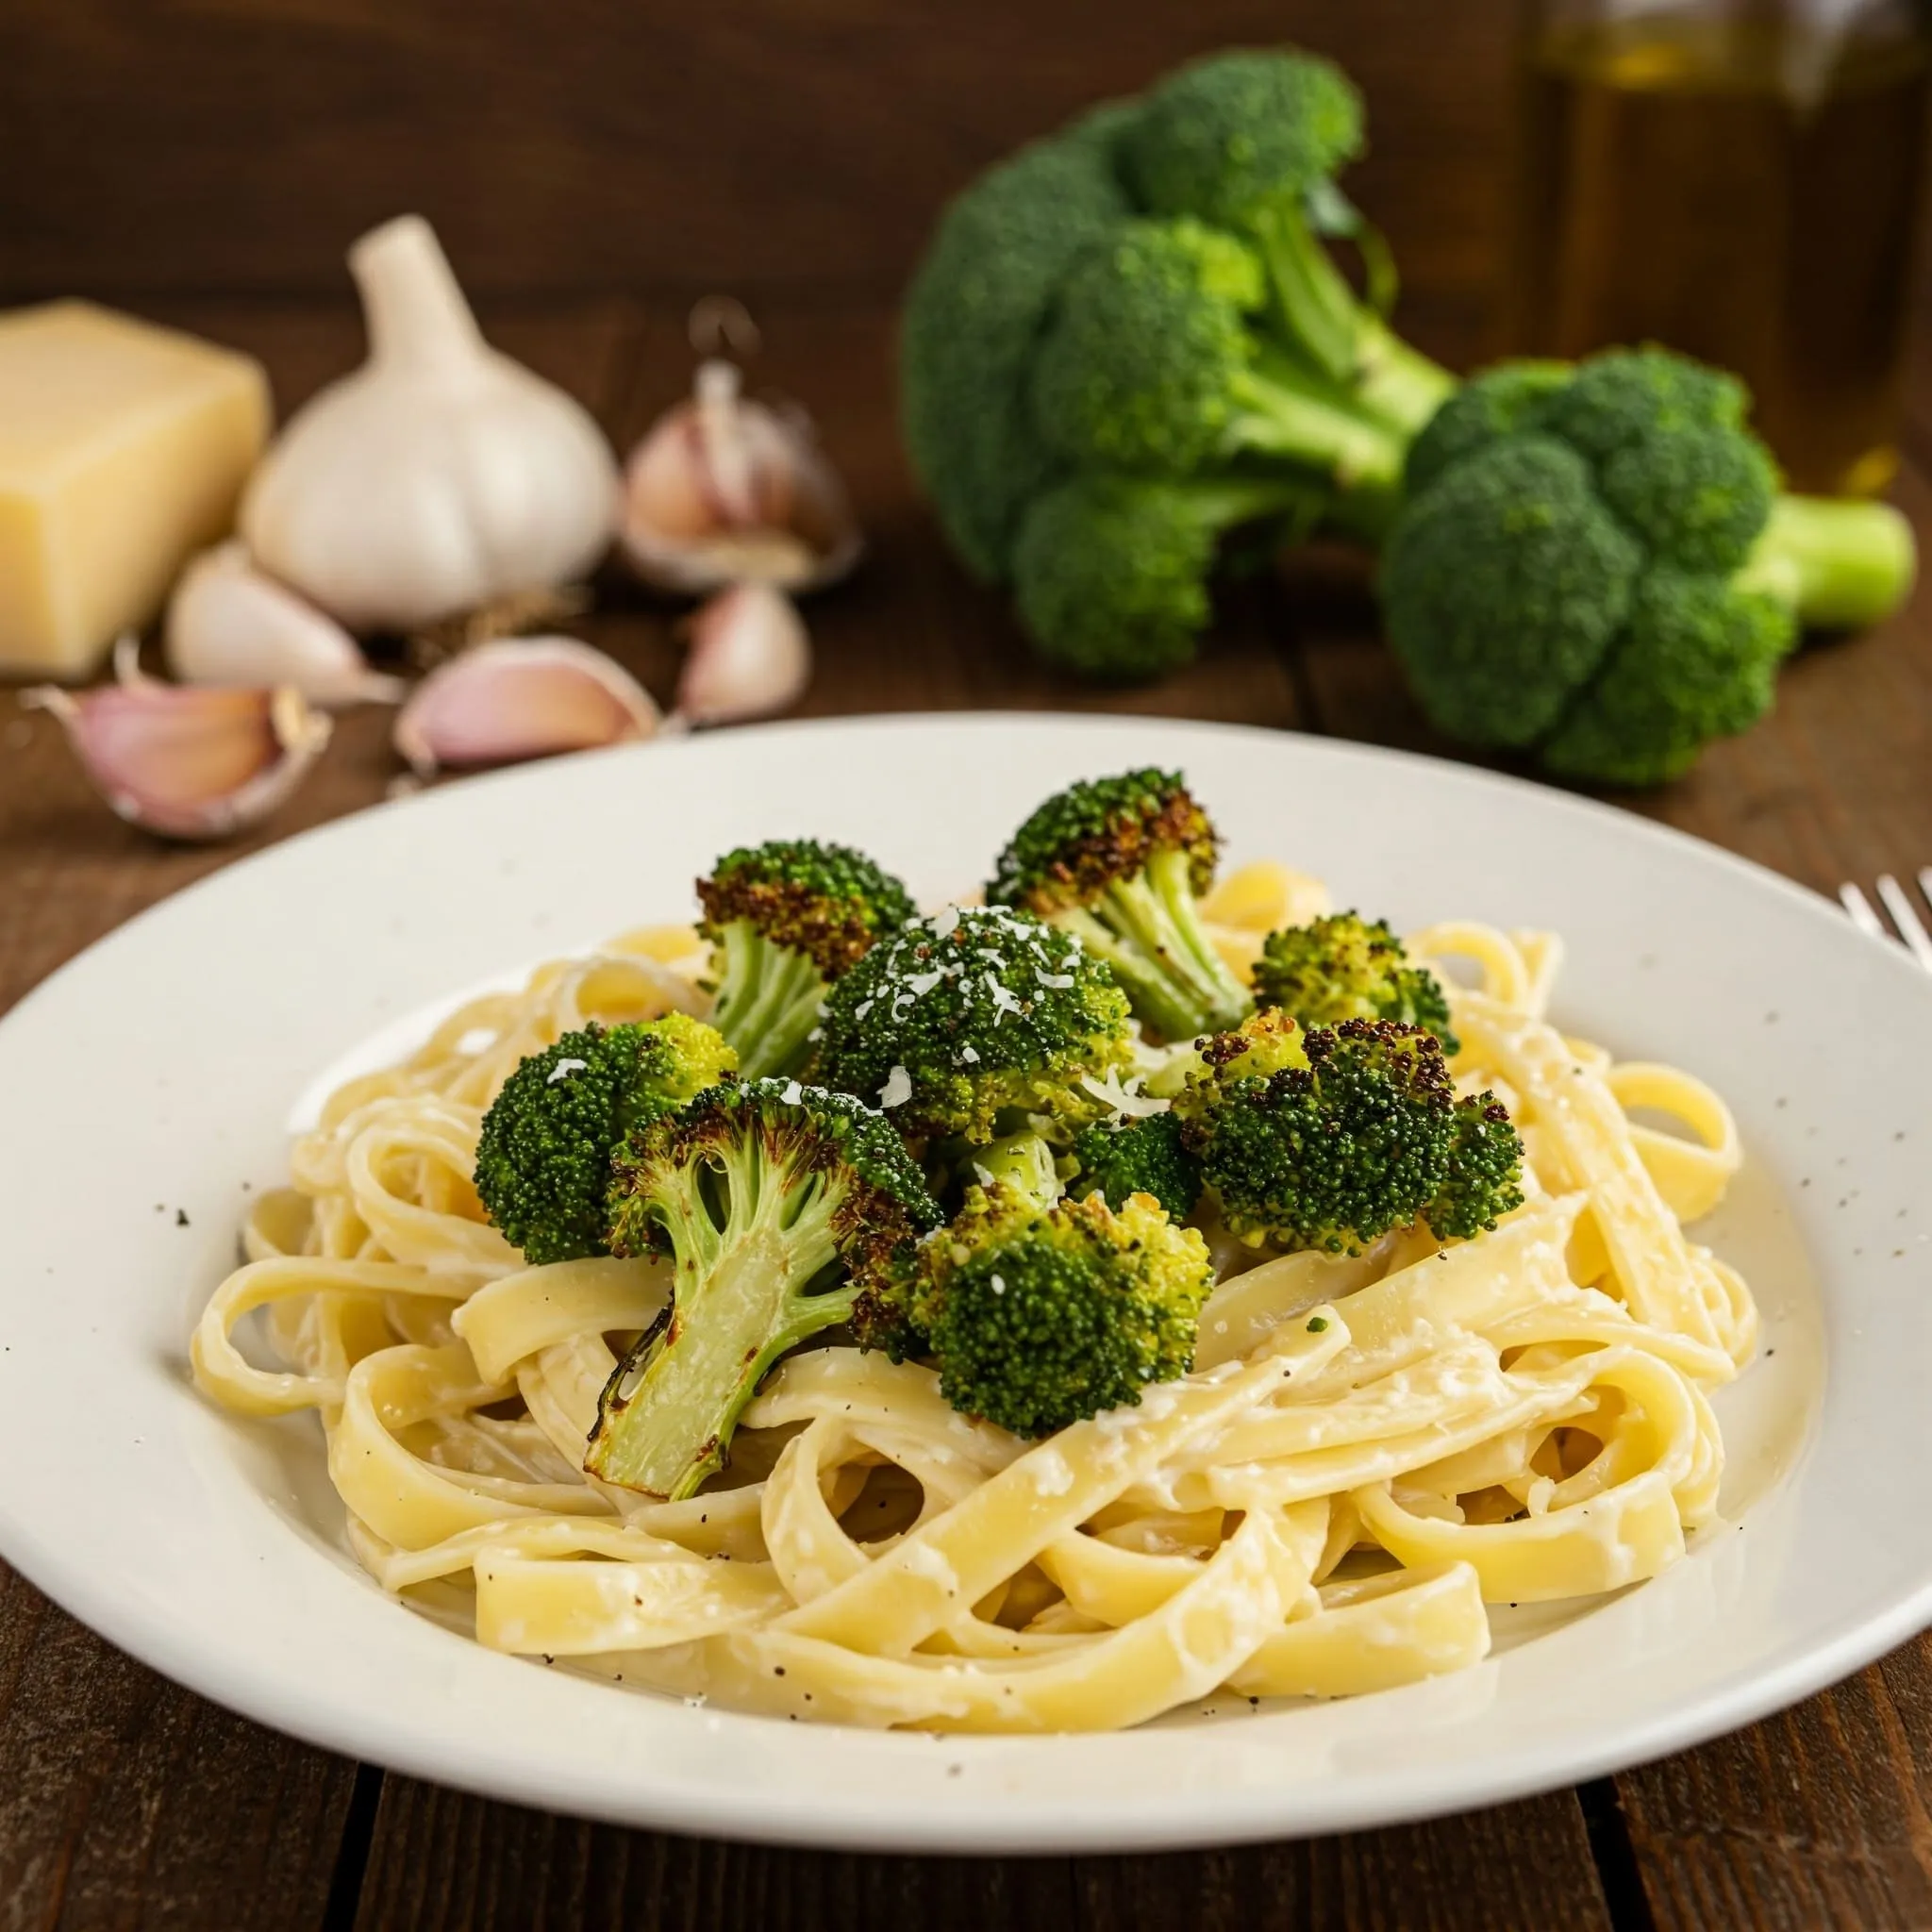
126, 1800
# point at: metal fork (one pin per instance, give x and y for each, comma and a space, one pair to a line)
1897, 900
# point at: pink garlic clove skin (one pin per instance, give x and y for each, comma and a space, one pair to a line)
724, 489
750, 657
518, 698
188, 762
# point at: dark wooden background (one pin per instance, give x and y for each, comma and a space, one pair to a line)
593, 167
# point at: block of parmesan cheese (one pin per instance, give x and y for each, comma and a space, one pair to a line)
122, 448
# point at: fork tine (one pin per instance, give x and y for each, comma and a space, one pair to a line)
1856, 903
1911, 929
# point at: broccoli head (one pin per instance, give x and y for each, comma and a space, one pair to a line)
544, 1156
783, 1210
1043, 1316
972, 316
1328, 1138
1110, 573
1148, 1155
1251, 141
970, 1022
1594, 565
1120, 863
785, 920
1345, 967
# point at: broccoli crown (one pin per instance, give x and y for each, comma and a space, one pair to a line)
1222, 137
828, 902
1565, 578
1147, 1156
784, 1210
1042, 1317
977, 1012
1141, 367
1331, 1137
1121, 861
1345, 967
1110, 573
971, 317
544, 1156
1099, 831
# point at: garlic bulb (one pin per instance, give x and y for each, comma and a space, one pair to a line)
440, 475
187, 762
521, 698
750, 657
724, 489
229, 624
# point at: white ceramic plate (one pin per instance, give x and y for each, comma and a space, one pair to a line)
154, 1077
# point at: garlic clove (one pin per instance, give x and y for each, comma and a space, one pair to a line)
196, 762
520, 699
440, 476
750, 657
230, 624
724, 489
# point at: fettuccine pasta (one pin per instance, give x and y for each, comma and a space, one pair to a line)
1368, 1452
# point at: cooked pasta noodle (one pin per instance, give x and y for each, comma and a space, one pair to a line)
1369, 1451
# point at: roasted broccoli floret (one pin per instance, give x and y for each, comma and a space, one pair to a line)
971, 1022
972, 316
1594, 565
1251, 141
1112, 574
1119, 862
544, 1156
1147, 1156
1329, 1138
785, 920
784, 1210
1041, 1317
1345, 967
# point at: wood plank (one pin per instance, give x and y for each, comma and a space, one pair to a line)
441, 1859
583, 146
125, 1800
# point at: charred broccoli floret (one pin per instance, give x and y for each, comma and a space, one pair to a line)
1041, 1317
1119, 862
971, 1021
1139, 1156
786, 920
1345, 967
783, 1210
1331, 1137
544, 1156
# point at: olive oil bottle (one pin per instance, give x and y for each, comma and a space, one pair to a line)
1739, 181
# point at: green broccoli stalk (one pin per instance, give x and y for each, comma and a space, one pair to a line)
544, 1152
1110, 573
785, 920
1345, 967
784, 1210
1120, 863
973, 1022
1329, 1138
1041, 1317
1148, 1155
1251, 141
1594, 565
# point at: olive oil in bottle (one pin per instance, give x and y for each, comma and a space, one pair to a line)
1738, 181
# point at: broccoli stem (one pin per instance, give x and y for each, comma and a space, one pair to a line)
769, 998
741, 1299
1840, 565
1023, 1162
1148, 930
1288, 414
